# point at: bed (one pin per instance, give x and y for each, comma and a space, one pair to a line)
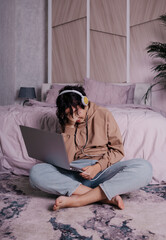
143, 128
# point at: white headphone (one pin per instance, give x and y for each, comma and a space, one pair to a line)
84, 99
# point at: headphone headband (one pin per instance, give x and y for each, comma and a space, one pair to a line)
84, 99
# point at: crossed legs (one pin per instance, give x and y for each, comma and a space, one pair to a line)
120, 178
84, 196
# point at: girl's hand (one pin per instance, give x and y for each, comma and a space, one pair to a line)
71, 121
90, 171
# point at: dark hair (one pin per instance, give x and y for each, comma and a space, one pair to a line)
68, 100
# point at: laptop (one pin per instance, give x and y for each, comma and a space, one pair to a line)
47, 147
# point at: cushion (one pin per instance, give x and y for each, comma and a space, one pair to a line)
140, 90
109, 93
130, 98
53, 93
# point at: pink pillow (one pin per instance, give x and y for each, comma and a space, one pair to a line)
53, 93
98, 92
130, 98
108, 93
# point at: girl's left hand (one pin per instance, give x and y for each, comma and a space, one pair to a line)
90, 171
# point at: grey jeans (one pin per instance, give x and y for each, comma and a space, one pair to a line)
122, 177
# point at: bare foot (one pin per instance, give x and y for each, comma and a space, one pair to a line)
63, 202
117, 201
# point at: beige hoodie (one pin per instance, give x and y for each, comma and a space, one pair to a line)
104, 138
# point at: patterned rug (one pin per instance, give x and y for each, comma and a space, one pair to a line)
26, 214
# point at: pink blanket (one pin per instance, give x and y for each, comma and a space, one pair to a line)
13, 154
143, 132
144, 136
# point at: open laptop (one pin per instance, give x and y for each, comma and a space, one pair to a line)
47, 147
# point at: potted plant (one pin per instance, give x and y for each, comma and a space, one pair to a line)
158, 50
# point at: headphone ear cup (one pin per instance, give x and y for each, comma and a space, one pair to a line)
84, 100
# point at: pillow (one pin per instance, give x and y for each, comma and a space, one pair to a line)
108, 93
61, 85
130, 98
53, 93
140, 90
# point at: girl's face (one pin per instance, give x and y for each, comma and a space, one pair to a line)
79, 114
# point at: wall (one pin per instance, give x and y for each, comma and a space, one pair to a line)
23, 47
68, 40
7, 52
23, 43
144, 29
108, 40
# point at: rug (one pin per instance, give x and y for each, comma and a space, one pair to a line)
26, 214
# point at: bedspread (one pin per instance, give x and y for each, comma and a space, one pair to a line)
13, 154
144, 136
143, 132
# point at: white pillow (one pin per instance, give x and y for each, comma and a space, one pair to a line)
139, 93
